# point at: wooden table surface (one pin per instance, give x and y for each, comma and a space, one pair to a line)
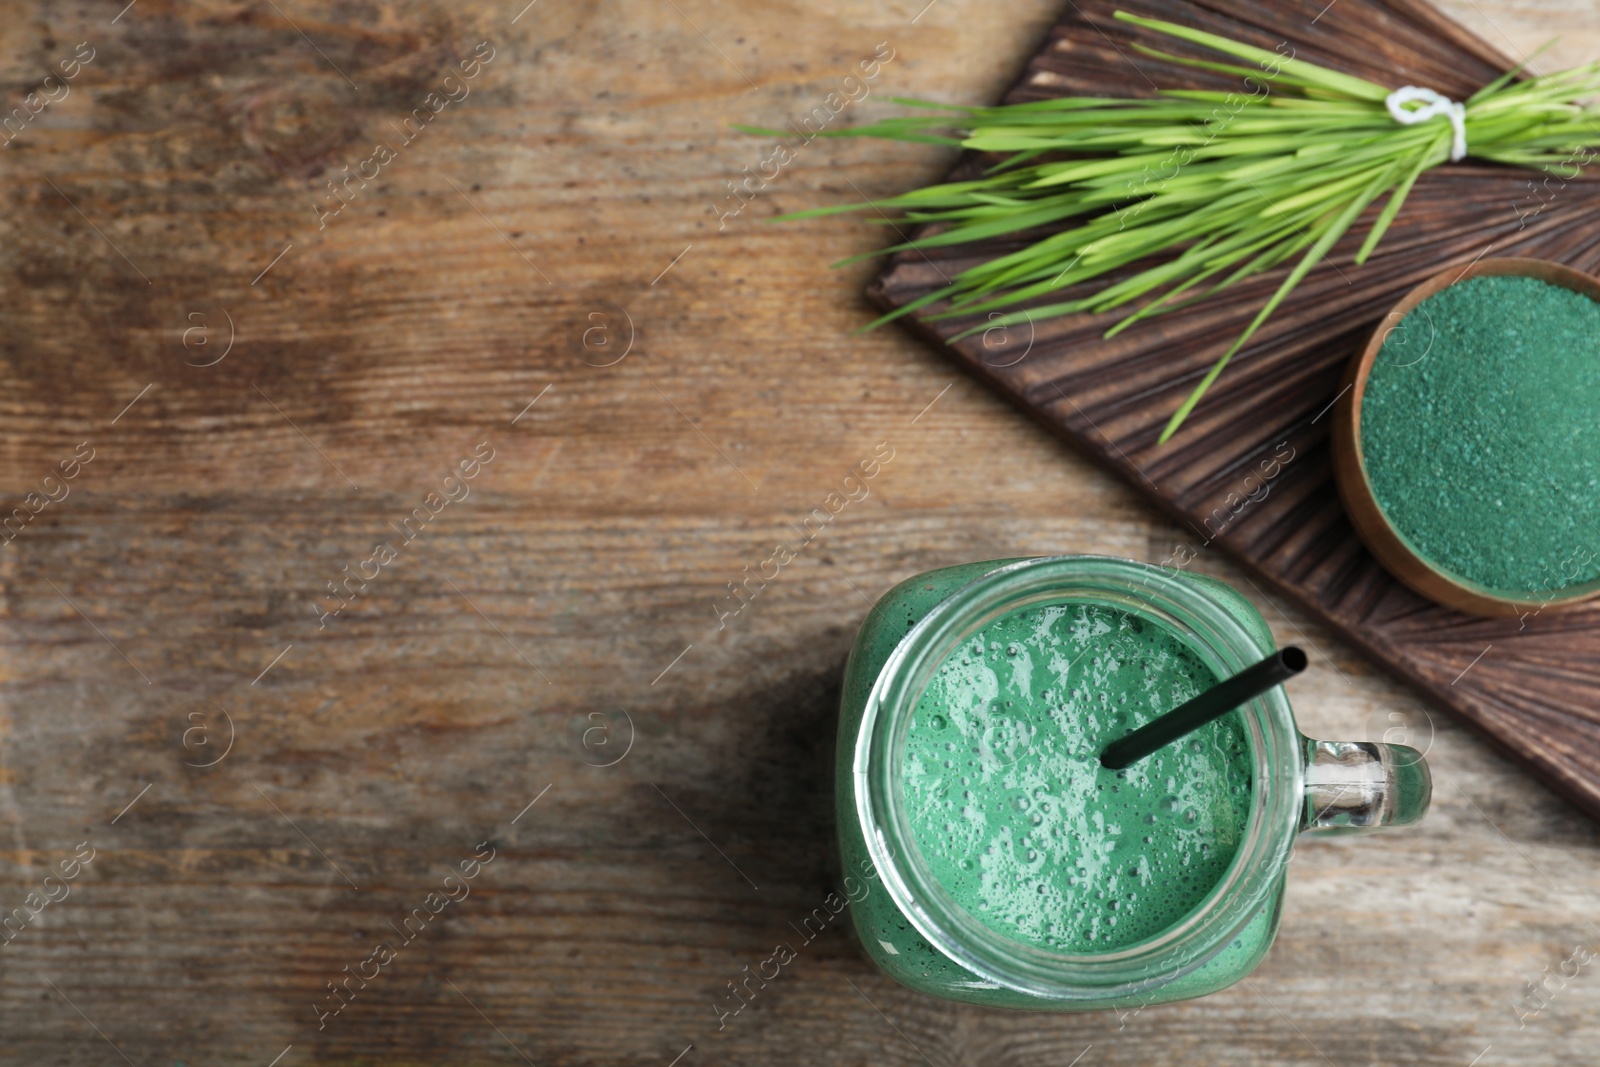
217, 795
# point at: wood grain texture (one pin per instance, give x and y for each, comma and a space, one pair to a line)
1227, 475
582, 574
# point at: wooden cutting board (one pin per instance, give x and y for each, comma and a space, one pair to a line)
1250, 472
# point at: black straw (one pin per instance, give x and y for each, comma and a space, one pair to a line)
1212, 704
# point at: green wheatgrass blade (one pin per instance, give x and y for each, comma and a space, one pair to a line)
1227, 250
1278, 247
1324, 243
1217, 185
1299, 69
1397, 199
1506, 78
1219, 68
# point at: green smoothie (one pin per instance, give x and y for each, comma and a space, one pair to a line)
1014, 814
1042, 744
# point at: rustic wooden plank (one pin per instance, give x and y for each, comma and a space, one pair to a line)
596, 544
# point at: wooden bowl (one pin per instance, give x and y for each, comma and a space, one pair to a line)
1350, 467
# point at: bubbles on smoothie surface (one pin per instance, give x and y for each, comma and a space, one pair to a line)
1012, 810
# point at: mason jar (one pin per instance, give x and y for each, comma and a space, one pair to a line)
922, 934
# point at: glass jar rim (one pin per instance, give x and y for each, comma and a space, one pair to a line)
1218, 638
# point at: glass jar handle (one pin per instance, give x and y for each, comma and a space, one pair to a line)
1363, 785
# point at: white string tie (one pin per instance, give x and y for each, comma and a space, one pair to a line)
1433, 105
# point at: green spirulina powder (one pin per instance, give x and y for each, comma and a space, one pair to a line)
1480, 430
